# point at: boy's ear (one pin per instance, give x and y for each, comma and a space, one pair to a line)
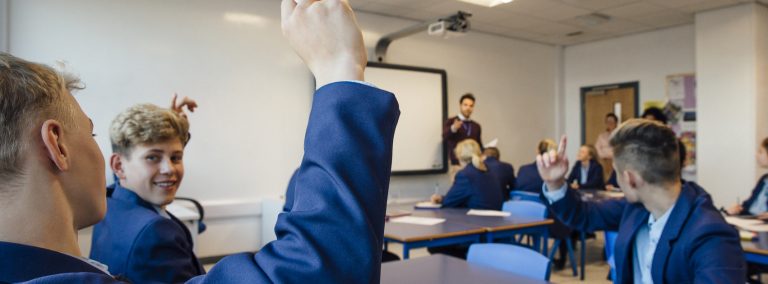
52, 133
116, 163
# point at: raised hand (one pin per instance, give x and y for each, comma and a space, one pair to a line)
553, 166
326, 36
178, 106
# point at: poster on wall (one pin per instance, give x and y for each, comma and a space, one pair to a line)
681, 113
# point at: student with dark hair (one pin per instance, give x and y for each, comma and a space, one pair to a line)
460, 128
504, 172
757, 203
53, 172
669, 232
654, 113
586, 173
528, 178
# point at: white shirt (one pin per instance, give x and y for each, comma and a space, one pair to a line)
646, 240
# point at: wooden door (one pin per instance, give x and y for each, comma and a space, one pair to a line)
601, 100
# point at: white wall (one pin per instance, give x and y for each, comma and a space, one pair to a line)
4, 20
731, 50
514, 81
254, 91
646, 57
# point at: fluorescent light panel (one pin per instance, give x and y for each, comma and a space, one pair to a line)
487, 3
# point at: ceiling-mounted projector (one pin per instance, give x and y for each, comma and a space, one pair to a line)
453, 26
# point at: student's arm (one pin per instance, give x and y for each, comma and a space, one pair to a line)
460, 192
566, 204
716, 256
158, 255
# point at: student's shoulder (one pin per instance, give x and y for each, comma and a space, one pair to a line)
118, 208
75, 277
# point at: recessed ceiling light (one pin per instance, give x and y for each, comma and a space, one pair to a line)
487, 3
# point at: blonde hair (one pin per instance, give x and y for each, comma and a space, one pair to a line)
546, 145
592, 151
146, 124
468, 151
30, 93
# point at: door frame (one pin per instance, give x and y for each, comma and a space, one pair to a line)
585, 90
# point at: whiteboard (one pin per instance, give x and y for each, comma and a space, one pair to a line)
421, 93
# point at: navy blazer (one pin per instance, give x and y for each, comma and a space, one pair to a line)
334, 231
136, 242
755, 192
504, 173
696, 245
474, 189
594, 175
528, 179
613, 180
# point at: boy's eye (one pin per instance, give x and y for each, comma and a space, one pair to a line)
153, 158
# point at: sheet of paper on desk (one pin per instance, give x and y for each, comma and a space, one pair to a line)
754, 225
426, 221
428, 205
494, 213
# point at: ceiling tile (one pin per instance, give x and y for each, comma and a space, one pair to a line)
529, 6
634, 10
560, 12
552, 29
707, 5
598, 4
666, 18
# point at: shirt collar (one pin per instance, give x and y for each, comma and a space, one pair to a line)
462, 118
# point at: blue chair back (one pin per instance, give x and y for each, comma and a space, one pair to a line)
516, 259
610, 241
524, 195
521, 208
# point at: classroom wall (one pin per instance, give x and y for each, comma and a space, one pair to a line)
645, 57
513, 80
246, 72
731, 53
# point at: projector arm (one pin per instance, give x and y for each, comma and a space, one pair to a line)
456, 22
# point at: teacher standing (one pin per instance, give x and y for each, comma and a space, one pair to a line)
459, 128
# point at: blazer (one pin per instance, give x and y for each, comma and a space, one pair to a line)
504, 173
470, 130
696, 245
613, 180
594, 175
753, 197
334, 231
528, 179
474, 189
137, 243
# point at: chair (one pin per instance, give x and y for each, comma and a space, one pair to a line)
610, 240
524, 195
526, 209
511, 258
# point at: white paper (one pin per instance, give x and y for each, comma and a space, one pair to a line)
494, 213
493, 143
753, 225
428, 204
426, 221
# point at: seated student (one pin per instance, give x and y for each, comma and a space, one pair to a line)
586, 173
504, 172
138, 239
52, 172
528, 178
612, 184
757, 203
474, 187
668, 232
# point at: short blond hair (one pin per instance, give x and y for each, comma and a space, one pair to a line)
30, 93
146, 124
468, 151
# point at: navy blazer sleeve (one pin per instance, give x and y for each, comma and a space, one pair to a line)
575, 174
713, 255
334, 230
460, 192
752, 197
588, 215
160, 238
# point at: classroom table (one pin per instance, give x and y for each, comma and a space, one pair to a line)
443, 234
460, 228
496, 227
756, 251
443, 269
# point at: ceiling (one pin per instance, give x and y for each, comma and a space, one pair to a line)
556, 22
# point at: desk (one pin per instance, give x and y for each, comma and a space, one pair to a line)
418, 236
755, 252
459, 228
445, 269
495, 227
